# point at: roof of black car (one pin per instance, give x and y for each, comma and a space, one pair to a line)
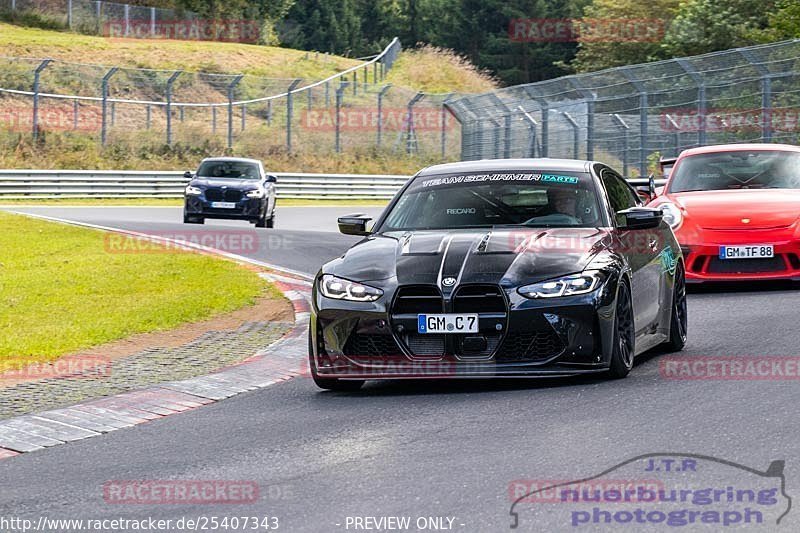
500, 165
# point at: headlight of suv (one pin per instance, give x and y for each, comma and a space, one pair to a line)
582, 283
193, 191
672, 214
342, 289
255, 193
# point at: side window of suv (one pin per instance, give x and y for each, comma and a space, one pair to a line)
620, 195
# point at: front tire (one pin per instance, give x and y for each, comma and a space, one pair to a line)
332, 384
678, 323
271, 221
187, 219
624, 334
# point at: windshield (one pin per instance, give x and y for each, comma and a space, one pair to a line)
746, 169
241, 170
524, 198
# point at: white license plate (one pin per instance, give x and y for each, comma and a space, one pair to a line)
749, 251
224, 205
450, 323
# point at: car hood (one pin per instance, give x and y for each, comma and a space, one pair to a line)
760, 209
509, 257
242, 185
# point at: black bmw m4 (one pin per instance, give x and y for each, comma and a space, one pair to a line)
500, 268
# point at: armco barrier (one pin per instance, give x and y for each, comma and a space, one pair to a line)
21, 184
32, 184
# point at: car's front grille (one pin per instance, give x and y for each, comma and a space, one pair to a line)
365, 345
480, 299
223, 195
416, 299
529, 347
745, 266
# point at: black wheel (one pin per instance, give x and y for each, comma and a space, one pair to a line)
261, 222
333, 384
678, 324
187, 219
271, 221
624, 331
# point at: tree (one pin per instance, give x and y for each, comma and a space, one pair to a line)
703, 26
647, 21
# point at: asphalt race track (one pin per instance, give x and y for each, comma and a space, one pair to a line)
430, 449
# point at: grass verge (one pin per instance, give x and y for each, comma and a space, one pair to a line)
62, 291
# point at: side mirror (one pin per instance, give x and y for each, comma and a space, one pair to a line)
639, 218
354, 224
271, 178
188, 175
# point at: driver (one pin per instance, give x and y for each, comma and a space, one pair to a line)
563, 202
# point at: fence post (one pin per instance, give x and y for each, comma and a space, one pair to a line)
337, 117
74, 114
170, 82
677, 138
181, 110
355, 83
269, 112
244, 115
127, 19
590, 97
622, 124
98, 15
36, 75
379, 125
766, 93
69, 14
152, 22
104, 94
289, 112
148, 117
576, 139
444, 124
701, 98
643, 108
411, 133
113, 114
531, 152
327, 94
231, 87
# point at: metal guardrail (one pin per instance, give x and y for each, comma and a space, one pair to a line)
36, 184
33, 184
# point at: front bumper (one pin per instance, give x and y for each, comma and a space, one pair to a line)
245, 208
704, 265
546, 338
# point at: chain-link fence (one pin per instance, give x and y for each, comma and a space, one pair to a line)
121, 20
353, 110
629, 115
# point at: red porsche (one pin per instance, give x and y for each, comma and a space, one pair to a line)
735, 210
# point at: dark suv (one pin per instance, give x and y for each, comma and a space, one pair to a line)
231, 188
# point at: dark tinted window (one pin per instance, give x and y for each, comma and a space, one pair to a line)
522, 198
228, 169
620, 195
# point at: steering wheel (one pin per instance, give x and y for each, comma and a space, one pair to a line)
554, 218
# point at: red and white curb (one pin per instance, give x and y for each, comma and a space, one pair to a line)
282, 360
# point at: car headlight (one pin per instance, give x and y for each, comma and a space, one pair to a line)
193, 191
672, 214
255, 193
342, 289
582, 283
